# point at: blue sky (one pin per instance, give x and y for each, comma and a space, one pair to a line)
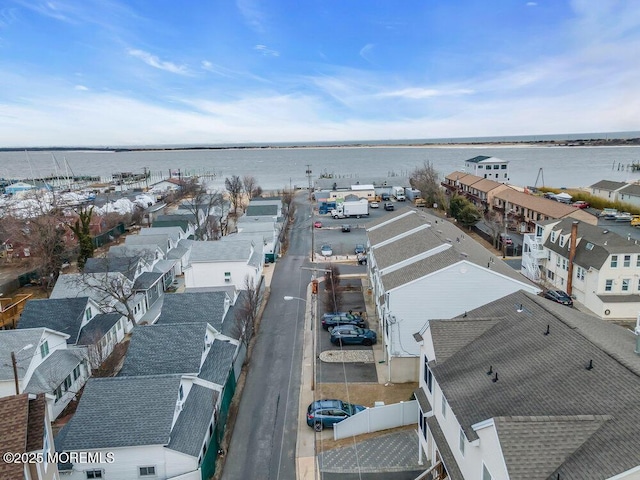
141, 72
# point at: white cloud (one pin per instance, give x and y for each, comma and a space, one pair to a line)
366, 52
532, 4
419, 93
253, 15
81, 88
154, 61
266, 51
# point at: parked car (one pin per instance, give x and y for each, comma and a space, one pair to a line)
326, 250
334, 319
580, 204
362, 259
317, 224
559, 296
325, 413
506, 239
346, 228
359, 248
388, 206
352, 335
385, 196
374, 205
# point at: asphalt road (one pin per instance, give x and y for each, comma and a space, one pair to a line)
263, 442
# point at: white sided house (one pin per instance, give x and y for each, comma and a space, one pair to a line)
422, 267
488, 167
44, 364
603, 270
164, 434
224, 264
523, 388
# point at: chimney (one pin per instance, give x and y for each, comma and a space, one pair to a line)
572, 255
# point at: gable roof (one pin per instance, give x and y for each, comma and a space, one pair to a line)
15, 341
130, 252
485, 185
546, 376
174, 233
54, 369
238, 251
219, 362
161, 240
406, 247
262, 210
190, 430
608, 185
545, 206
165, 349
391, 226
148, 402
600, 244
456, 334
189, 307
631, 189
92, 285
146, 280
127, 265
98, 328
61, 314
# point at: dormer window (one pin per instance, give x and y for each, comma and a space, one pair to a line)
180, 393
561, 241
553, 237
44, 349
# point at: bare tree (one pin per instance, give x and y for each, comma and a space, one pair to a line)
234, 187
494, 222
250, 186
333, 300
247, 313
206, 209
427, 180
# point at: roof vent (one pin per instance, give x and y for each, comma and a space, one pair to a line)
548, 330
495, 379
605, 231
448, 240
590, 367
520, 309
490, 370
464, 255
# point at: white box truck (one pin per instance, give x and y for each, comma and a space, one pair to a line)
398, 193
356, 209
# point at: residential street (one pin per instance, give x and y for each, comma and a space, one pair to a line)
264, 438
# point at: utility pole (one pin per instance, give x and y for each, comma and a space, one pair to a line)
504, 238
308, 173
14, 363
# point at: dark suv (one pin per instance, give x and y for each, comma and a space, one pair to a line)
326, 413
388, 206
559, 296
341, 318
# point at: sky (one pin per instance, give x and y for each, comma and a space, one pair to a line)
167, 72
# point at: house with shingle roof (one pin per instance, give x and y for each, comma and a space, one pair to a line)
607, 189
224, 263
417, 264
81, 319
25, 428
44, 364
130, 266
168, 430
524, 388
604, 271
630, 194
111, 291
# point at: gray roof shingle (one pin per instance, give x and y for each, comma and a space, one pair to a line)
165, 349
122, 412
262, 210
239, 251
54, 369
218, 363
205, 307
446, 454
98, 327
546, 376
608, 185
127, 265
15, 341
406, 247
191, 427
146, 280
61, 314
398, 223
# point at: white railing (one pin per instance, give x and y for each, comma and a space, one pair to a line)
377, 418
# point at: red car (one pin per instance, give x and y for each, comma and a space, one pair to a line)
317, 224
580, 204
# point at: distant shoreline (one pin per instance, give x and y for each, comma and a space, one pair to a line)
615, 142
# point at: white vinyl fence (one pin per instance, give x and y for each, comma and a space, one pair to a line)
377, 418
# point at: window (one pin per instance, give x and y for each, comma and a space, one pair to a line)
565, 264
639, 284
94, 473
181, 393
503, 167
444, 406
561, 241
558, 261
147, 471
614, 261
87, 313
549, 255
428, 376
638, 261
227, 276
429, 380
589, 246
627, 261
580, 273
551, 275
480, 167
76, 372
485, 473
553, 237
625, 284
496, 167
67, 383
44, 349
538, 231
58, 394
608, 285
462, 441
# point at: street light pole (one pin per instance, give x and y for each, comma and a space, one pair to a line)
313, 335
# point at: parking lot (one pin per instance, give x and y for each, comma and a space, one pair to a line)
344, 243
